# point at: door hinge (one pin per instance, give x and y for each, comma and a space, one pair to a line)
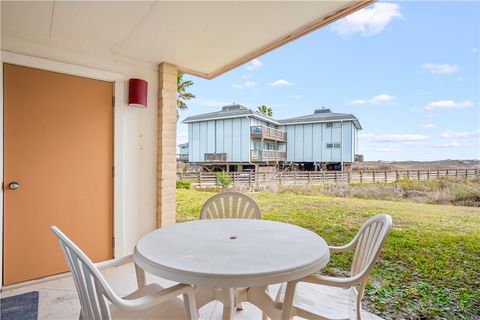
113, 101
113, 172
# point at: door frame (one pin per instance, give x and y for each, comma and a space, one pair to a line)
119, 111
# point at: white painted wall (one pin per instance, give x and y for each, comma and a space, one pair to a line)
135, 128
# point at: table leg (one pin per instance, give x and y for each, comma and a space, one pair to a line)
228, 300
260, 297
288, 301
204, 295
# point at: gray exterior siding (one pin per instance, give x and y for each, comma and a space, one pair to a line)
230, 136
308, 142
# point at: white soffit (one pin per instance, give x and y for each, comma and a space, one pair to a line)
201, 38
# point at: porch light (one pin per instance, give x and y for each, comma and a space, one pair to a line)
137, 92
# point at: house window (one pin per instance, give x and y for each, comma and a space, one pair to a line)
333, 125
333, 145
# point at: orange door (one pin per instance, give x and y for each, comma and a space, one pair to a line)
58, 148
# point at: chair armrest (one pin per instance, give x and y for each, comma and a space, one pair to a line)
153, 299
332, 281
344, 248
114, 263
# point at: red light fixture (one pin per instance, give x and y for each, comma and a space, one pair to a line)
137, 92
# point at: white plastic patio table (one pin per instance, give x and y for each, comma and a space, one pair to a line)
233, 253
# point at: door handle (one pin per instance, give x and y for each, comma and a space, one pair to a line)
13, 185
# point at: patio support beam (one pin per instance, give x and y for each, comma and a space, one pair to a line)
166, 153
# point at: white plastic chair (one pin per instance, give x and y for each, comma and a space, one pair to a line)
230, 205
322, 297
149, 302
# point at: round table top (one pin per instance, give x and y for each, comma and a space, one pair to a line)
231, 252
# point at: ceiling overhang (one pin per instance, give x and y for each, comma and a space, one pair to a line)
205, 39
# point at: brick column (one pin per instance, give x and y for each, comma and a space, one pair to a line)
167, 137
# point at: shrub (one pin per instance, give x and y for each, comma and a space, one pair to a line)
184, 184
223, 179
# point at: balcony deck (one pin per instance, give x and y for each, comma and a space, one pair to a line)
261, 132
267, 155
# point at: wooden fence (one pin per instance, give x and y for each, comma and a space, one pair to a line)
259, 179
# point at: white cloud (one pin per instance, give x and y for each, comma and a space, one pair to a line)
296, 96
182, 137
452, 144
254, 65
394, 137
368, 21
246, 84
280, 83
460, 134
441, 68
381, 98
429, 126
388, 150
448, 104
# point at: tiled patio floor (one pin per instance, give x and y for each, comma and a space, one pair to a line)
59, 300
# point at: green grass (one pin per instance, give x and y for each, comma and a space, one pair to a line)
428, 269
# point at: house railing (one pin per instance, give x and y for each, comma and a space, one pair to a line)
215, 157
259, 132
267, 155
182, 157
259, 179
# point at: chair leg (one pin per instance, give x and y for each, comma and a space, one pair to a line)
140, 277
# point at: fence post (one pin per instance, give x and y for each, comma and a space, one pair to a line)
397, 176
295, 178
323, 177
476, 172
280, 177
199, 179
456, 172
265, 177
418, 174
373, 172
309, 181
336, 177
361, 176
250, 179
446, 173
408, 174
386, 176
438, 174
348, 177
466, 173
428, 174
234, 183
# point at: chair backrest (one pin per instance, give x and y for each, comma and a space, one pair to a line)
369, 242
91, 285
230, 205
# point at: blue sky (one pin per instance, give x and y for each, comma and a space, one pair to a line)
410, 71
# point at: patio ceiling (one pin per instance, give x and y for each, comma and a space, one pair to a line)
202, 38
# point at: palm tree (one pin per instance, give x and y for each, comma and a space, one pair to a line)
266, 110
182, 94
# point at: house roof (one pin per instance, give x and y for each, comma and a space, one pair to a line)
203, 38
327, 116
232, 111
239, 111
